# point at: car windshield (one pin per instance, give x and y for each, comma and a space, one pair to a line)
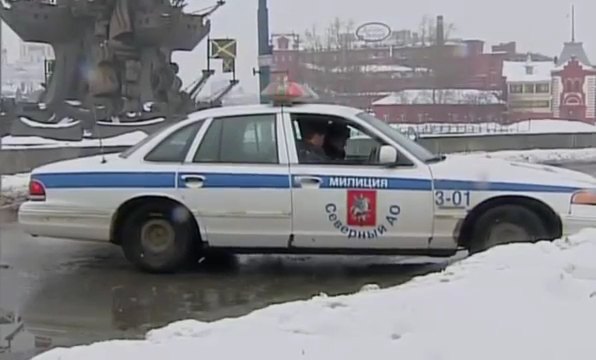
417, 150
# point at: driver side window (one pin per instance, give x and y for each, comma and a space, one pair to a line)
343, 142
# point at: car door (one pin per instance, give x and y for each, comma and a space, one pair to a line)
357, 204
236, 181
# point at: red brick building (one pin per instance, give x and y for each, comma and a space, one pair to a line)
359, 73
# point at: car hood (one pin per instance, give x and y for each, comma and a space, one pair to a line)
490, 170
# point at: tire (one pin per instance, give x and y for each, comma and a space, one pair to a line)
160, 238
506, 224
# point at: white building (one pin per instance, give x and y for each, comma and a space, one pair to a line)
529, 88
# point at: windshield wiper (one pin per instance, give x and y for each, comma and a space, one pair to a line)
436, 159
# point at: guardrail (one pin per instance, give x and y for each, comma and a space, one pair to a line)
24, 160
495, 142
451, 128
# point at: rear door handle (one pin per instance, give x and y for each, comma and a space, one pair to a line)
193, 181
308, 181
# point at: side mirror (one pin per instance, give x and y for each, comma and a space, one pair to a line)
387, 155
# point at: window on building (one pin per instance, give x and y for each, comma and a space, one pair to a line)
578, 85
530, 104
543, 88
516, 89
244, 139
175, 147
529, 88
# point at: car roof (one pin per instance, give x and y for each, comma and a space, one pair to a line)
269, 108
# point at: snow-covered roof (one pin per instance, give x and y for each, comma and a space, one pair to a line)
441, 96
528, 71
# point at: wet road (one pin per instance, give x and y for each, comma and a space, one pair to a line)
69, 293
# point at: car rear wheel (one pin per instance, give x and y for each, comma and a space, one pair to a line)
160, 238
507, 224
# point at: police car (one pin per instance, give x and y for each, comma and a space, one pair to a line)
231, 179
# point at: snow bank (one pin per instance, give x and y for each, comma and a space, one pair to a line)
533, 302
41, 125
14, 188
34, 142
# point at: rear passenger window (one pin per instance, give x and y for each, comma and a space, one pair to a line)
240, 139
175, 146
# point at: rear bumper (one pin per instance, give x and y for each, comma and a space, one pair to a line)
42, 219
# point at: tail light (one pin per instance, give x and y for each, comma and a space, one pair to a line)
37, 191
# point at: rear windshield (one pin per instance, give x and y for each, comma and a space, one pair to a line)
131, 150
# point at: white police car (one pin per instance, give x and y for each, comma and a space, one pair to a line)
230, 179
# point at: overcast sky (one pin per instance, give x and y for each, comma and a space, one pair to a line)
537, 25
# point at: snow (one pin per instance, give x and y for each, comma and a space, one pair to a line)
441, 96
523, 301
132, 123
147, 106
32, 142
37, 124
14, 189
516, 71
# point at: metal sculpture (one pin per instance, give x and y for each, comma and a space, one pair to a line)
114, 55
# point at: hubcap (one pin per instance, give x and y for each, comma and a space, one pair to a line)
505, 233
157, 236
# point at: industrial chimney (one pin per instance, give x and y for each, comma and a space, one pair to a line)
440, 31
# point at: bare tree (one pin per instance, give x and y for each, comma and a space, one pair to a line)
312, 39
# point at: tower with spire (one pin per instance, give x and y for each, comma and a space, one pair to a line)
574, 82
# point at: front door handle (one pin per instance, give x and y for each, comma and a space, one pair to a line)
308, 181
193, 181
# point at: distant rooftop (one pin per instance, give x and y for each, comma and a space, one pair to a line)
528, 71
573, 50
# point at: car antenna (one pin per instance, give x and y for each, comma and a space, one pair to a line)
98, 131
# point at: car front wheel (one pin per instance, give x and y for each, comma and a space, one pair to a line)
160, 238
507, 224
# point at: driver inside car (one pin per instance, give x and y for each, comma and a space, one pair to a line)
336, 140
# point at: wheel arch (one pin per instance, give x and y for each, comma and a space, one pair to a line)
547, 214
119, 215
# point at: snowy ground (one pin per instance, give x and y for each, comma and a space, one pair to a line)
34, 142
533, 302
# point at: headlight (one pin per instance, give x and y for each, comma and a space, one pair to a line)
584, 197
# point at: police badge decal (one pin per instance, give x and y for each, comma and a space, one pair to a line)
362, 219
362, 208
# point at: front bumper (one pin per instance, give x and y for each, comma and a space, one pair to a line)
43, 219
580, 217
